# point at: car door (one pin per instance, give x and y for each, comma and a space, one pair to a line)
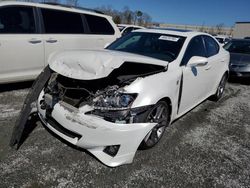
215, 67
21, 46
194, 78
63, 30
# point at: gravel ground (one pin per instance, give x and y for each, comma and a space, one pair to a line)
208, 147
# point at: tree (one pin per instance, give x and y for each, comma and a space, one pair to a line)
147, 19
231, 31
127, 15
211, 31
219, 28
117, 19
138, 15
202, 28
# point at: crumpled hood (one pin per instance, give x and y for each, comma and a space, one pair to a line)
239, 59
94, 64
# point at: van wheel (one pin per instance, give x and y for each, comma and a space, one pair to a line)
220, 89
158, 114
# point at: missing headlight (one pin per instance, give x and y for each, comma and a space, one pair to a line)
113, 98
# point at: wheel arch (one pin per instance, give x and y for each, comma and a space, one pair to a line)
227, 74
169, 103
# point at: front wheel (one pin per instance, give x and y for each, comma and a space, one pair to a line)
220, 89
158, 114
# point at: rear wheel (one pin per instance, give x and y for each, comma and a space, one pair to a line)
158, 114
220, 89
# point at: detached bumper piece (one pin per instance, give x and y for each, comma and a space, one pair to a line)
28, 106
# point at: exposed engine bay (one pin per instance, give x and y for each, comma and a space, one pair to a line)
106, 95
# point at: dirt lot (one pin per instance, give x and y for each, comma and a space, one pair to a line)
208, 147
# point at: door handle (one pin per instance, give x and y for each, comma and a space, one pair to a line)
200, 64
51, 41
35, 41
208, 67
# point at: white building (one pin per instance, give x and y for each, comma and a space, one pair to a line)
241, 30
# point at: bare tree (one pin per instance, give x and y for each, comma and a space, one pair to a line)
147, 19
138, 15
202, 28
27, 0
127, 15
219, 28
231, 31
44, 1
117, 19
211, 31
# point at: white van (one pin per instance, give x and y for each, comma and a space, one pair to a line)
31, 32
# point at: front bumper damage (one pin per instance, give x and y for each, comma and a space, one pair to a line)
93, 133
70, 112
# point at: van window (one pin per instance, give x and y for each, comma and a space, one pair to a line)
14, 20
62, 22
99, 25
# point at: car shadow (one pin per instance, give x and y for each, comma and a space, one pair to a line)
238, 80
15, 86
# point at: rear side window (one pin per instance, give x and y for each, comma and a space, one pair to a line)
99, 25
17, 20
195, 48
62, 22
211, 46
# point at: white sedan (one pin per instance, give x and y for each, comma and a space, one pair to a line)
114, 101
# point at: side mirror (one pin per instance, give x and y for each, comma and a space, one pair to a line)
106, 45
197, 61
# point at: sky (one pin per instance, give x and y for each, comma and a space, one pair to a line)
193, 12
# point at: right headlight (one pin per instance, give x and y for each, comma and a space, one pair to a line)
115, 101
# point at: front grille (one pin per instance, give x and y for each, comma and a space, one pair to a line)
61, 129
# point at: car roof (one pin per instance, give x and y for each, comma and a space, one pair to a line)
56, 7
129, 25
183, 33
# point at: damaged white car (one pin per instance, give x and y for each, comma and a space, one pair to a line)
114, 101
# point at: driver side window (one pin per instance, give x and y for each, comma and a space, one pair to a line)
195, 48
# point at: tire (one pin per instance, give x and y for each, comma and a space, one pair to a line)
220, 88
160, 114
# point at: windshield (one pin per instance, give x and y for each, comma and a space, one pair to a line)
238, 46
156, 45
